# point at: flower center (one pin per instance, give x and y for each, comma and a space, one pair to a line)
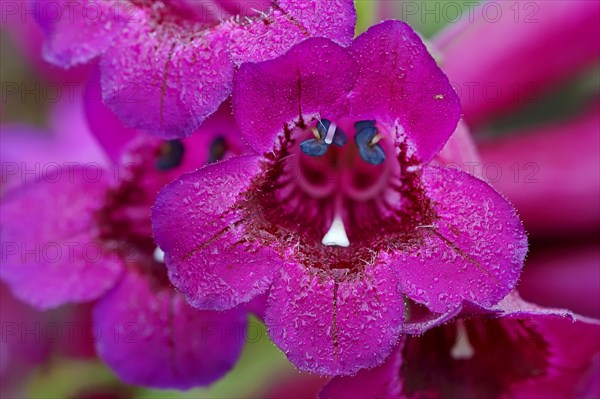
342, 189
125, 220
206, 12
476, 358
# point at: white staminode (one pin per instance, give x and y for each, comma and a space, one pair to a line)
159, 255
330, 133
336, 236
462, 349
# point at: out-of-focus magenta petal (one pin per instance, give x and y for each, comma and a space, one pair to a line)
27, 152
78, 32
78, 342
335, 325
290, 22
380, 382
474, 251
590, 382
564, 277
511, 52
51, 258
20, 351
176, 80
460, 152
108, 129
152, 337
314, 77
572, 349
197, 225
399, 79
552, 175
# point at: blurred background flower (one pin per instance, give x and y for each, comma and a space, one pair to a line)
528, 76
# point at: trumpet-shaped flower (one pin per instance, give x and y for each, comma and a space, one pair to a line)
82, 233
339, 215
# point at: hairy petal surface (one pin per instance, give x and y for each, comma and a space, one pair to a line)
290, 22
331, 325
401, 80
380, 382
200, 230
314, 76
152, 337
474, 251
176, 80
51, 258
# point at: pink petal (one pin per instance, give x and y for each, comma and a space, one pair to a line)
333, 325
152, 337
109, 130
312, 77
548, 40
175, 80
380, 382
80, 31
573, 347
290, 22
197, 225
19, 353
50, 255
475, 252
400, 80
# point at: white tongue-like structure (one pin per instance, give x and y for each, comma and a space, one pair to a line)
159, 255
336, 235
462, 349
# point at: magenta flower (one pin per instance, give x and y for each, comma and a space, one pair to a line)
18, 355
83, 233
523, 352
339, 215
167, 65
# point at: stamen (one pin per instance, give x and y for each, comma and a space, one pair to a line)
313, 147
326, 133
159, 255
170, 156
366, 138
462, 349
330, 133
316, 133
376, 139
336, 235
218, 150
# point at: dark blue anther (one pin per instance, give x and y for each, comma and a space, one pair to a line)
314, 147
370, 152
318, 147
218, 149
360, 125
170, 156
